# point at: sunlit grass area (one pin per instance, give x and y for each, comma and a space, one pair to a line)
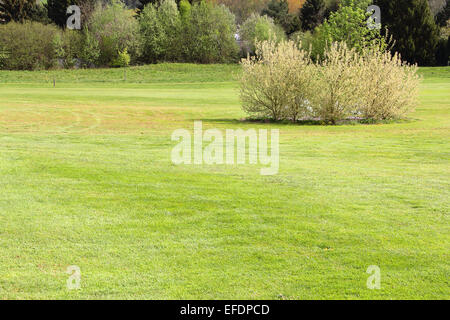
86, 179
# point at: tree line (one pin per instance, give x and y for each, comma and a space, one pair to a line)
204, 31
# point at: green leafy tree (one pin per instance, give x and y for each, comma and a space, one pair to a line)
29, 45
279, 11
413, 28
115, 29
160, 29
141, 4
349, 25
209, 35
87, 7
362, 4
260, 28
243, 9
90, 49
312, 14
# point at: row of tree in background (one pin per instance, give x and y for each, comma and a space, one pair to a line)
117, 33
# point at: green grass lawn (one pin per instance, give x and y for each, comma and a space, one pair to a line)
86, 179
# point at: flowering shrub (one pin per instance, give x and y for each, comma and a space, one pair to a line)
337, 86
260, 28
388, 86
282, 83
276, 83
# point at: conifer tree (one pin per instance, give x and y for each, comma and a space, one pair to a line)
312, 14
412, 26
17, 10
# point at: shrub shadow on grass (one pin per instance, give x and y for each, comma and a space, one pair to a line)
309, 122
265, 121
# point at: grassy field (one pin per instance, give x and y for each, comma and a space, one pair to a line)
86, 179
